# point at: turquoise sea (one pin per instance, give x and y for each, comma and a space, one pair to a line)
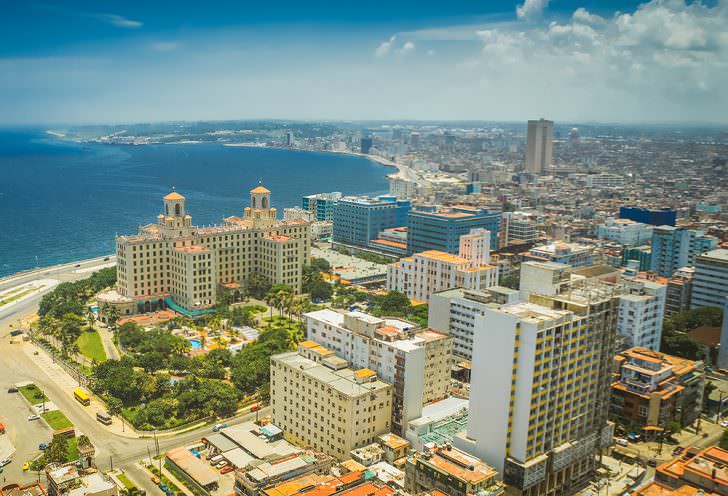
62, 201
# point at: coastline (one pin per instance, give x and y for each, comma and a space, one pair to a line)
53, 268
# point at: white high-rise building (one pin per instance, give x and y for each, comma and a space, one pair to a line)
430, 271
642, 309
539, 146
415, 361
539, 395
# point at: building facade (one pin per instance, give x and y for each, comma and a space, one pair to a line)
652, 388
540, 387
322, 404
539, 145
321, 205
358, 220
518, 227
625, 232
416, 362
429, 228
642, 310
186, 265
677, 247
710, 286
679, 291
425, 273
454, 311
452, 471
560, 252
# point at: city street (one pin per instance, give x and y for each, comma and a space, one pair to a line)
18, 365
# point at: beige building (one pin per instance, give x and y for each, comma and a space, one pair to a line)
185, 265
431, 271
415, 361
320, 403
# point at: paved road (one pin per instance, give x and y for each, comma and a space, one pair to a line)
19, 366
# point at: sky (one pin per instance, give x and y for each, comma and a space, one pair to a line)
82, 62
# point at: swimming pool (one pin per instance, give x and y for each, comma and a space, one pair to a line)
194, 343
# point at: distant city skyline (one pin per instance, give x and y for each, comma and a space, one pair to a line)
122, 62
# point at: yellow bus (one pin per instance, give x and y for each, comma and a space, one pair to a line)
82, 397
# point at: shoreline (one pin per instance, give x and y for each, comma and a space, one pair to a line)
54, 268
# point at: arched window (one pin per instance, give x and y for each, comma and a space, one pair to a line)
166, 209
254, 203
265, 202
176, 209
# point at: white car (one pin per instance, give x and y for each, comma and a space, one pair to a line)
724, 423
4, 462
33, 417
621, 441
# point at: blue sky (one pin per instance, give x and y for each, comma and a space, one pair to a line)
616, 61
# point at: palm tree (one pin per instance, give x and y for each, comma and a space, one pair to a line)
90, 318
271, 299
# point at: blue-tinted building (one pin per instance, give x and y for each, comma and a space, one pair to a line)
430, 228
677, 247
358, 220
655, 217
321, 205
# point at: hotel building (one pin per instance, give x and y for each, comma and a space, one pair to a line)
539, 395
429, 228
185, 265
425, 273
416, 362
653, 388
320, 403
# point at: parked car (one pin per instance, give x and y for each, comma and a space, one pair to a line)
621, 441
12, 390
26, 466
723, 423
652, 462
155, 479
678, 451
226, 469
633, 436
106, 259
42, 446
4, 462
221, 464
33, 417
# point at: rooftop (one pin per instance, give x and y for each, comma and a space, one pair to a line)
457, 464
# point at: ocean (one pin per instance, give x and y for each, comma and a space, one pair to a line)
62, 201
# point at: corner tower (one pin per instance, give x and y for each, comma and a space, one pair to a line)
259, 210
174, 220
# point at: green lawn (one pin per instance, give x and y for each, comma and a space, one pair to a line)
33, 394
72, 449
125, 480
90, 345
57, 420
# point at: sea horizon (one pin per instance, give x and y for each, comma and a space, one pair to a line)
63, 201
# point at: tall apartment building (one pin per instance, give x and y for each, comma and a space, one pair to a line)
642, 309
540, 388
679, 291
655, 217
425, 273
321, 205
454, 311
446, 470
641, 254
604, 180
710, 286
723, 351
539, 145
182, 264
519, 227
625, 232
322, 404
653, 388
560, 252
416, 362
402, 187
430, 228
358, 220
676, 247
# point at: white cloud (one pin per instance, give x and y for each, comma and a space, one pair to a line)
531, 9
385, 47
118, 21
583, 15
408, 47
